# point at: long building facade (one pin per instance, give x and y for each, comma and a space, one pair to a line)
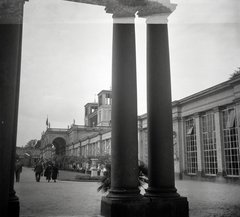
206, 132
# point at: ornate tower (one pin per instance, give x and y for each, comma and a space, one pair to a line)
104, 108
90, 114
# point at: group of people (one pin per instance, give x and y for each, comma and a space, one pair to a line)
50, 171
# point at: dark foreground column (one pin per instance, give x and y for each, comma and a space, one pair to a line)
10, 58
124, 198
165, 201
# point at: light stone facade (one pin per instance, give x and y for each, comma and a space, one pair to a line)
206, 132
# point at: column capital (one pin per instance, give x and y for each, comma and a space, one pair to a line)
123, 20
11, 11
157, 18
157, 11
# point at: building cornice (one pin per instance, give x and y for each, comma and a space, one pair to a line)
214, 89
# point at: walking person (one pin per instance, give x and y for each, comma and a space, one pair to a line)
48, 172
18, 170
38, 171
55, 172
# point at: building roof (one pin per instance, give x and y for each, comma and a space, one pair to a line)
208, 91
104, 91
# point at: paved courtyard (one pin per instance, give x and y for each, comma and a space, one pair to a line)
71, 198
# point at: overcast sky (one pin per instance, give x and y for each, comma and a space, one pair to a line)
67, 53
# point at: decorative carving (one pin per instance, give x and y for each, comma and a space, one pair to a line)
128, 8
11, 11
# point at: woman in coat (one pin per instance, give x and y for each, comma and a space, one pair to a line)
54, 172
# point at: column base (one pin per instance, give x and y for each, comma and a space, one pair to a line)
145, 207
152, 192
168, 207
112, 207
14, 206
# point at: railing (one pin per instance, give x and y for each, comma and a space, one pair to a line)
57, 130
97, 128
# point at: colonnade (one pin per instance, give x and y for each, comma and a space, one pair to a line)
124, 198
161, 197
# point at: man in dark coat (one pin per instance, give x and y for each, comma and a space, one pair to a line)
38, 171
18, 170
54, 172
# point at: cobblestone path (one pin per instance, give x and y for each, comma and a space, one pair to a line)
71, 198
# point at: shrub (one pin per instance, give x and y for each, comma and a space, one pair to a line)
91, 178
105, 183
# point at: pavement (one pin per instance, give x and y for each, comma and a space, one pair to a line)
81, 199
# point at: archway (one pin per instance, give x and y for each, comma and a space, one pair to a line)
60, 145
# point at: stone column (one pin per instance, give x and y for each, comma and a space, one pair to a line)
11, 13
124, 196
159, 114
165, 201
218, 140
199, 149
124, 179
176, 144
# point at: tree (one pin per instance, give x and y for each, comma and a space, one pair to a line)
104, 159
31, 143
235, 74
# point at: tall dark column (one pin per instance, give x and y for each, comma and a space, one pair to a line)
10, 60
165, 201
159, 114
124, 179
124, 198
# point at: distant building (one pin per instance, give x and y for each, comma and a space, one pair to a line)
28, 156
206, 132
82, 140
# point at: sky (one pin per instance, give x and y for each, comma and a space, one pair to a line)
67, 54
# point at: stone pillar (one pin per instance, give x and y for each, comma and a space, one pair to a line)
181, 141
11, 13
159, 114
124, 179
199, 149
165, 201
124, 198
218, 140
176, 144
